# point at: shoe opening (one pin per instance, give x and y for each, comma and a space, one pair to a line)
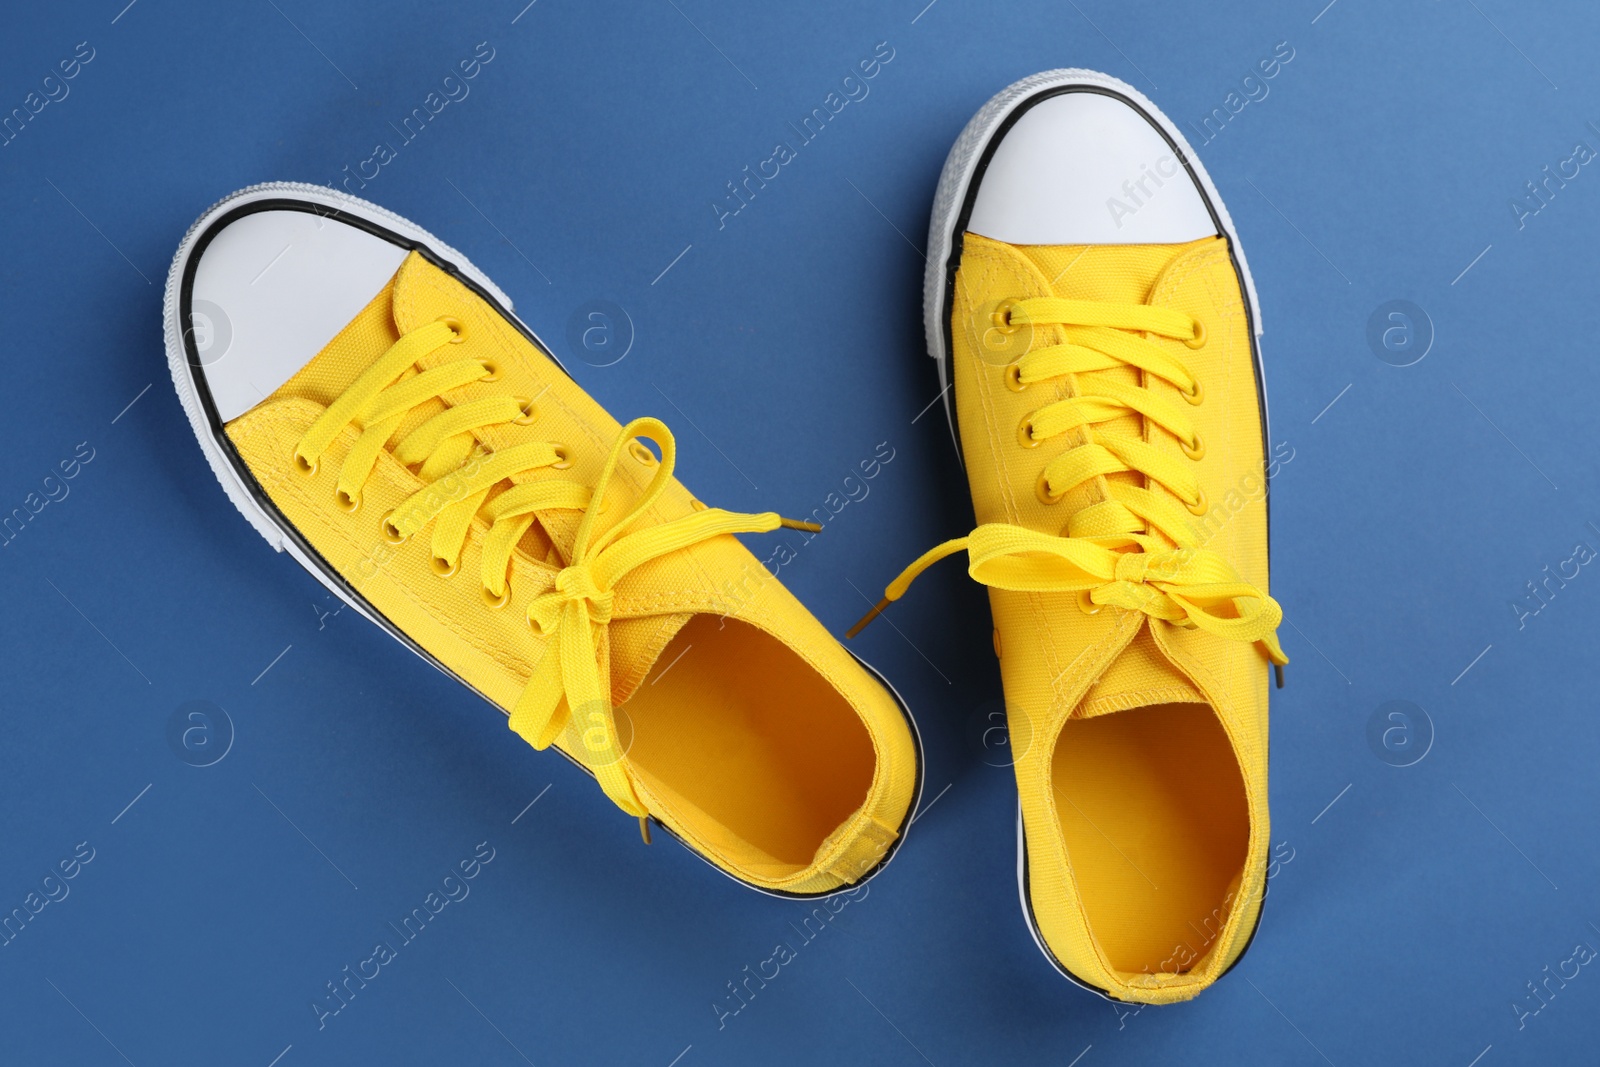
754, 752
1152, 808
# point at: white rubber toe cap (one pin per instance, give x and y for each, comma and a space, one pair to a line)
271, 289
1087, 168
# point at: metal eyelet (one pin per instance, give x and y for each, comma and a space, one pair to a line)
456, 327
1196, 450
347, 503
529, 413
443, 567
1087, 605
1199, 338
641, 453
1025, 436
1197, 395
496, 602
563, 458
1013, 375
533, 625
1041, 489
491, 370
1000, 317
305, 466
391, 532
1200, 506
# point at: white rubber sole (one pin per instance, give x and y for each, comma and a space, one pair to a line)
955, 180
269, 526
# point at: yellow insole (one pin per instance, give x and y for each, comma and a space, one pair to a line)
749, 743
1153, 813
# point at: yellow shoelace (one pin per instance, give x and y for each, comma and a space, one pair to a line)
1135, 549
569, 692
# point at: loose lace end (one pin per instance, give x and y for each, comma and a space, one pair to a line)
644, 828
797, 524
898, 587
877, 609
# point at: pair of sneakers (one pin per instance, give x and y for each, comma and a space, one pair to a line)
370, 402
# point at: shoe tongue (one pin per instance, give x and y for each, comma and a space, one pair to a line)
1121, 274
1139, 676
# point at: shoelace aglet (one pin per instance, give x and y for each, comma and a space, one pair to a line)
797, 524
644, 828
1277, 670
877, 609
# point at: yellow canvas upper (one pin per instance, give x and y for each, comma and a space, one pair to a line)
739, 722
1060, 663
1110, 424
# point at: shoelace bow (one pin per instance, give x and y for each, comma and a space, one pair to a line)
569, 692
1135, 549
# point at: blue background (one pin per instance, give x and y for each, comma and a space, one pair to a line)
1411, 904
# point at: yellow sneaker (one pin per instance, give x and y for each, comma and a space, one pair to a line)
373, 407
1095, 327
